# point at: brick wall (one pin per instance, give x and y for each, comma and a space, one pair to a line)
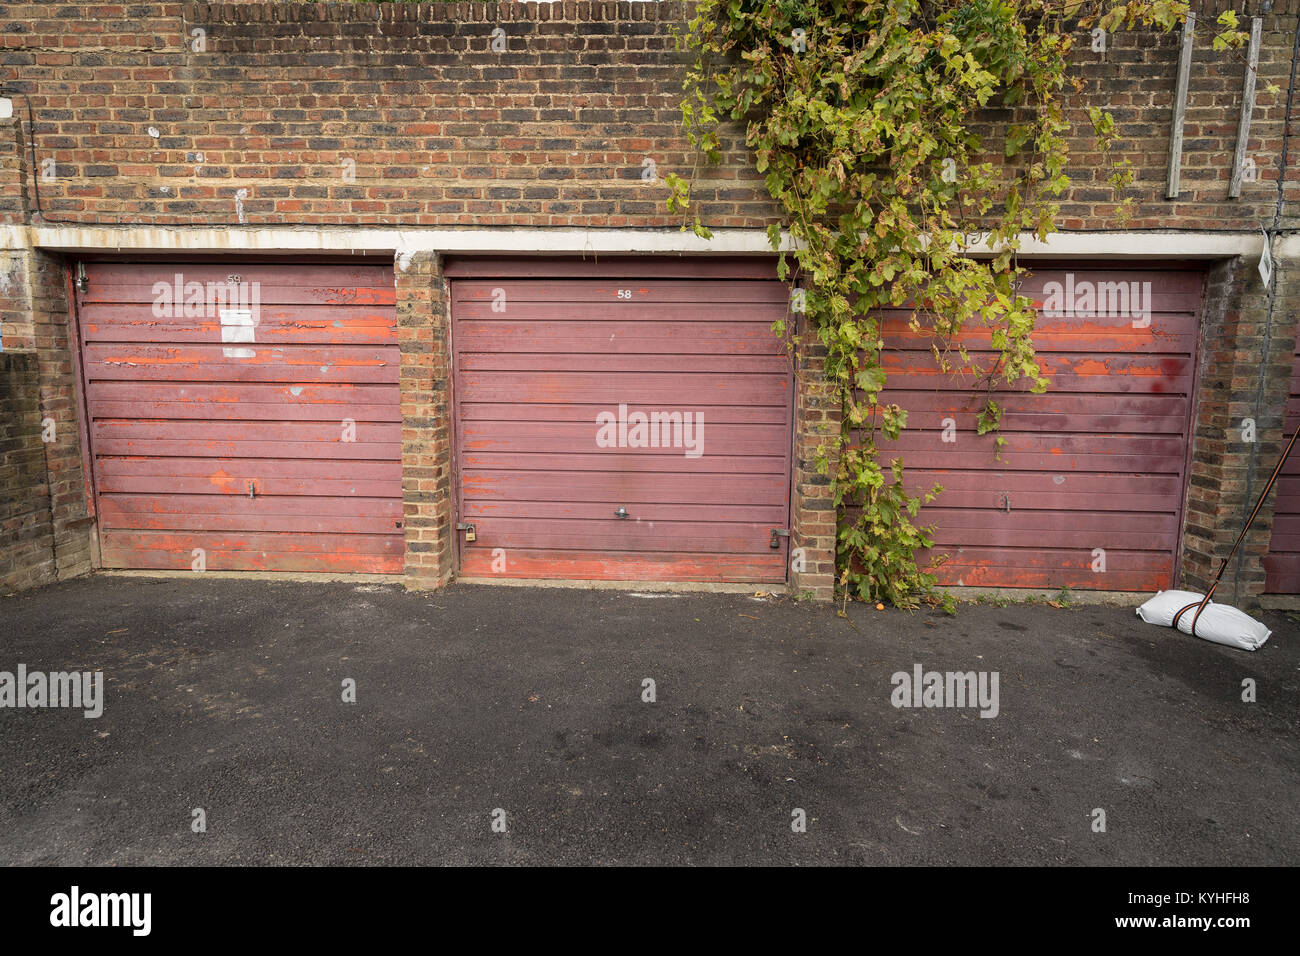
291, 114
1247, 346
26, 530
423, 329
817, 414
35, 316
388, 113
13, 168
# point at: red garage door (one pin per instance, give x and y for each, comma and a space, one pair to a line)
1090, 486
580, 399
1282, 563
245, 416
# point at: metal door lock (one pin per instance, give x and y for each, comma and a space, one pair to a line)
621, 512
777, 535
252, 491
469, 531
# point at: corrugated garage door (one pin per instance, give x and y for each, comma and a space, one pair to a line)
1282, 563
250, 411
552, 377
1092, 472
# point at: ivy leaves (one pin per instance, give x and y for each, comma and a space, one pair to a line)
868, 121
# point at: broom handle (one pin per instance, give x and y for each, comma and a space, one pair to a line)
1246, 527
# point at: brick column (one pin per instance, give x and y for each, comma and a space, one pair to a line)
70, 495
1245, 373
816, 424
35, 318
424, 334
26, 529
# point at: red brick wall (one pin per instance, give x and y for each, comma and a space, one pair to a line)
56, 350
423, 330
35, 315
553, 131
13, 168
26, 531
817, 414
1247, 343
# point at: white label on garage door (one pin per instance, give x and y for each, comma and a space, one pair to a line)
237, 326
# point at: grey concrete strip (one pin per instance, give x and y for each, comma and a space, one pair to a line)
676, 587
259, 576
1114, 598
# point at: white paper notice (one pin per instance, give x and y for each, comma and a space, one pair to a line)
237, 326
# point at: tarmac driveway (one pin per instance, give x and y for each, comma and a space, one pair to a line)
524, 707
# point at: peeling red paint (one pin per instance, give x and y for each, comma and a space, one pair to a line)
1095, 463
181, 429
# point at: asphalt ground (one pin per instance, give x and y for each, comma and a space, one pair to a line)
525, 708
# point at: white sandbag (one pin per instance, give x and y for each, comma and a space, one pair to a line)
1220, 623
1160, 610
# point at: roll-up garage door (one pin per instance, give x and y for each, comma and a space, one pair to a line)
244, 416
625, 427
1282, 563
1089, 489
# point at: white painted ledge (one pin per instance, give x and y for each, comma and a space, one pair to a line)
388, 240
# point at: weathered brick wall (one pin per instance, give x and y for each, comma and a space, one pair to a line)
13, 169
26, 530
1134, 79
69, 500
424, 334
35, 318
1247, 345
149, 121
817, 414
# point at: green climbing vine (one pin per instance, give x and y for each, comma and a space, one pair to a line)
873, 124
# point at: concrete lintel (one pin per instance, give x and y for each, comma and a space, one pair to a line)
381, 240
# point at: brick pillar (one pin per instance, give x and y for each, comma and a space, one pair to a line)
816, 424
35, 318
1245, 373
424, 334
13, 167
70, 494
26, 528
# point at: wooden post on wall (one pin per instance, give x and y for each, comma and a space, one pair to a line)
1180, 109
1247, 107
